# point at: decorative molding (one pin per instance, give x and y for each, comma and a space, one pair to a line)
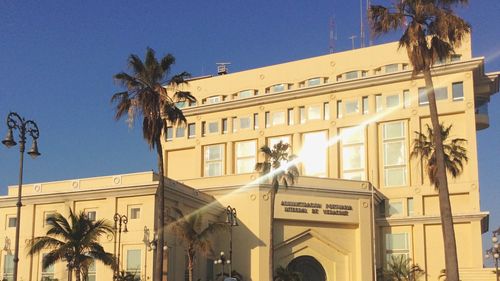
75, 184
37, 188
117, 180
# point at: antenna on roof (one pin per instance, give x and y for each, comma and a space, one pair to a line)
352, 40
361, 24
333, 35
222, 67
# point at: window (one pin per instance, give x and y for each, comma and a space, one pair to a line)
409, 206
339, 78
191, 130
391, 68
302, 114
351, 75
339, 109
91, 215
457, 90
422, 96
255, 121
455, 58
351, 106
394, 208
8, 267
394, 150
377, 71
214, 99
278, 88
378, 103
271, 142
392, 100
314, 154
204, 128
441, 93
313, 82
179, 132
224, 126
214, 155
405, 66
170, 133
314, 112
326, 111
246, 94
235, 124
364, 73
135, 212
267, 117
278, 118
396, 244
47, 216
213, 127
406, 99
245, 123
181, 104
353, 153
91, 273
48, 272
246, 152
134, 262
366, 109
11, 221
291, 120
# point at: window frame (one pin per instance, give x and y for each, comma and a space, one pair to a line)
221, 161
250, 157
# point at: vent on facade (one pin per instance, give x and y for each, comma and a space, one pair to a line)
222, 68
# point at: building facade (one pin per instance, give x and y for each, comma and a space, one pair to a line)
351, 118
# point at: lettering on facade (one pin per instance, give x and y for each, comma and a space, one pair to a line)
304, 207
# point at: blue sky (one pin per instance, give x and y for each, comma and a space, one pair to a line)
57, 59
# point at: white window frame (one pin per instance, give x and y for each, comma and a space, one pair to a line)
395, 251
137, 272
347, 144
7, 221
247, 157
207, 161
459, 98
310, 150
400, 139
213, 99
132, 208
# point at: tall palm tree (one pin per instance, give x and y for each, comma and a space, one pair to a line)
195, 238
431, 32
455, 154
151, 93
286, 175
75, 240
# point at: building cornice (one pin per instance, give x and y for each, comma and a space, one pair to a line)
431, 219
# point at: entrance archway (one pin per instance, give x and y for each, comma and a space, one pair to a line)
309, 267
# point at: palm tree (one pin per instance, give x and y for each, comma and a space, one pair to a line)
286, 175
431, 32
189, 230
146, 97
75, 240
400, 268
454, 153
284, 274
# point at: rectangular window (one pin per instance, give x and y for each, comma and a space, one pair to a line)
245, 123
392, 100
302, 114
409, 206
422, 96
246, 94
457, 90
278, 118
291, 116
390, 68
394, 208
351, 75
191, 130
267, 117
313, 82
255, 121
213, 127
215, 99
396, 244
91, 215
224, 126
170, 133
378, 103
271, 142
364, 73
47, 216
235, 124
48, 272
278, 88
394, 150
246, 152
405, 66
353, 153
455, 57
204, 127
366, 108
135, 212
92, 271
214, 156
339, 109
11, 221
179, 132
8, 267
134, 262
326, 111
315, 152
441, 93
351, 106
406, 99
339, 78
314, 112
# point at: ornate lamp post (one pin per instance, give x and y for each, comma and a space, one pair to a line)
494, 252
16, 122
222, 261
120, 220
232, 220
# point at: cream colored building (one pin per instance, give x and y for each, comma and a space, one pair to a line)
360, 198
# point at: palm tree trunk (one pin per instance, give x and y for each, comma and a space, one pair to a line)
271, 233
190, 267
160, 206
77, 273
450, 248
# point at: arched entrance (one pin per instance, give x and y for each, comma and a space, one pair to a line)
310, 268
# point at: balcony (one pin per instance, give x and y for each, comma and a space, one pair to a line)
482, 118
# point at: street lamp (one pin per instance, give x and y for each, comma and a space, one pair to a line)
232, 220
16, 122
222, 261
119, 221
494, 252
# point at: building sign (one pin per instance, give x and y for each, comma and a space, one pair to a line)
316, 208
